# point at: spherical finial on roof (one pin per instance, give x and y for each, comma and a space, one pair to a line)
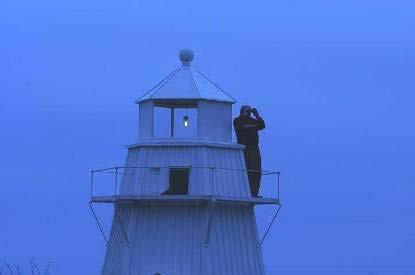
186, 56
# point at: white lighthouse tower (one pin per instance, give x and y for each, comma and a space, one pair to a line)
183, 204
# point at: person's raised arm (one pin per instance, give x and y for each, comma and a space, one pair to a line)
260, 122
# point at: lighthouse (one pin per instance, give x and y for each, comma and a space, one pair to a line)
182, 203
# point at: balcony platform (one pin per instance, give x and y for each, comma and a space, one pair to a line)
182, 200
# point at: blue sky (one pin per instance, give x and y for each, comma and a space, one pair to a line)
333, 80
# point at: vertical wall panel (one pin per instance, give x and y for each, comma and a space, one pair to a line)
146, 120
215, 121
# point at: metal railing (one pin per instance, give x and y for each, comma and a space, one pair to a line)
214, 178
132, 180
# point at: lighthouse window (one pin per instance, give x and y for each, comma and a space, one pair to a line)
178, 181
185, 122
175, 120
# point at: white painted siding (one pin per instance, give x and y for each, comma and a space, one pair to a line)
213, 170
170, 240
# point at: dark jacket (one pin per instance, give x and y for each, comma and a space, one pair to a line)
246, 129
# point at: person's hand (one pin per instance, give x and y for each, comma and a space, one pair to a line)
255, 112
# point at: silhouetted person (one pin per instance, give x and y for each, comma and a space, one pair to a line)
246, 129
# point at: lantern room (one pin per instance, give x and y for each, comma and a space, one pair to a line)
186, 105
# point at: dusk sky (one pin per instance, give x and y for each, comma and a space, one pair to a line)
333, 80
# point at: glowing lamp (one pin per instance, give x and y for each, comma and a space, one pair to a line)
186, 121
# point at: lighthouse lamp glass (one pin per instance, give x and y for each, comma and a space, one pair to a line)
186, 121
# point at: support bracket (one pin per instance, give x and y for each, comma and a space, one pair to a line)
271, 223
98, 223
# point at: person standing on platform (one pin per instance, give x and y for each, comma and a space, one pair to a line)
246, 130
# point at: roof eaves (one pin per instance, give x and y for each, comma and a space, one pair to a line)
217, 86
160, 84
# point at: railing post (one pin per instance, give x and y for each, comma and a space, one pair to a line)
116, 181
212, 169
92, 184
278, 186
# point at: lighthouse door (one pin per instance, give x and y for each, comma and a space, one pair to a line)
178, 181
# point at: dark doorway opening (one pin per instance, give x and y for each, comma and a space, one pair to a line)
178, 181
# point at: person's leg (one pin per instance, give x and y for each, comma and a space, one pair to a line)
255, 170
256, 166
253, 165
248, 164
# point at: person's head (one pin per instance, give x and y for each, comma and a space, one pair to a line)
245, 111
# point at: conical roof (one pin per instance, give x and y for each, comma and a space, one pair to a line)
186, 83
